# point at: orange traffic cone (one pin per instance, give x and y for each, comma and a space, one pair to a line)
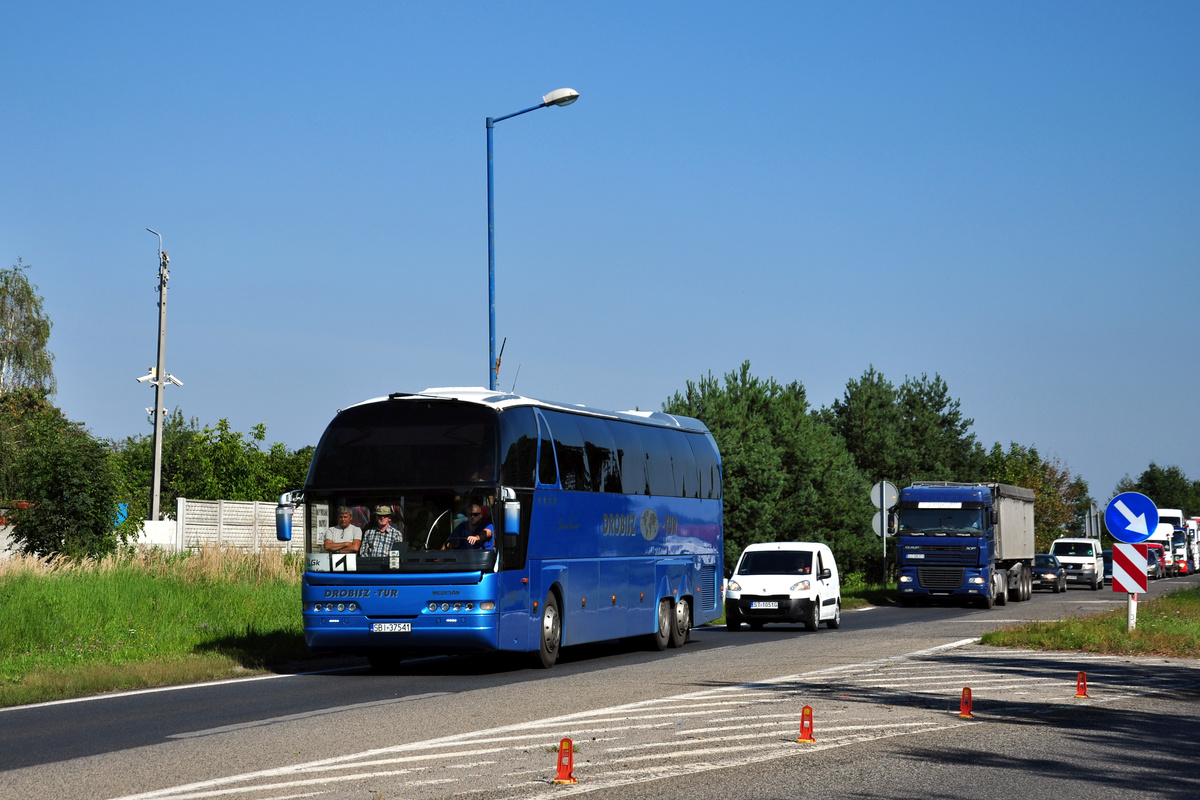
806, 726
1081, 685
964, 707
566, 762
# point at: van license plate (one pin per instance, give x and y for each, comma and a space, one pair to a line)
764, 604
391, 627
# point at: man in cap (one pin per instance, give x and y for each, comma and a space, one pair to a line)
382, 537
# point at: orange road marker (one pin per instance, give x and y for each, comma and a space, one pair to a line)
965, 705
806, 726
1081, 685
566, 762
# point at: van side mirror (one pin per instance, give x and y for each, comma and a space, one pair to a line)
825, 573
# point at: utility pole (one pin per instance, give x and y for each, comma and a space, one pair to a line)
158, 376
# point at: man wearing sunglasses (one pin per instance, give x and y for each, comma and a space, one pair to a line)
476, 533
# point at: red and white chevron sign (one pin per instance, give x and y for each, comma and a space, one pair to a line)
1129, 567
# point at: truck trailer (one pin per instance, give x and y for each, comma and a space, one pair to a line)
966, 541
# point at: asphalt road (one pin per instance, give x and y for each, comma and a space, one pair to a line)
718, 718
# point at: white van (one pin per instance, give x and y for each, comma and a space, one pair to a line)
784, 582
1082, 560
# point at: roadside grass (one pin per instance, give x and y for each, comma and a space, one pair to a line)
142, 619
1166, 626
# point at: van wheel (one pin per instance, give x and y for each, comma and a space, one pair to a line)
812, 619
836, 622
551, 638
732, 623
662, 636
681, 626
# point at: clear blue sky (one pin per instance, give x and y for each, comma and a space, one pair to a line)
1007, 194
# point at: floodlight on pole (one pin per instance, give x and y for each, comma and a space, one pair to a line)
559, 97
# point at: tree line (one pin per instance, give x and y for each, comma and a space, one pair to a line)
791, 471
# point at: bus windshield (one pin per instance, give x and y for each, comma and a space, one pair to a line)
956, 520
436, 531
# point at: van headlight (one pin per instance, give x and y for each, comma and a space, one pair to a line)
800, 586
733, 586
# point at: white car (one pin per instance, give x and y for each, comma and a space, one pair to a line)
1082, 560
784, 582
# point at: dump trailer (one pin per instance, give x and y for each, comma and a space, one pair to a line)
966, 541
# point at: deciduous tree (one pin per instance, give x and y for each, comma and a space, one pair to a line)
25, 363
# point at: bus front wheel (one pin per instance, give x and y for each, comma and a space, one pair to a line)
551, 636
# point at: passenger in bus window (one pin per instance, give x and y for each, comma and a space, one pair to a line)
380, 539
476, 533
345, 536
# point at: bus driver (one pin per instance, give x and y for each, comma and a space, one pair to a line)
476, 532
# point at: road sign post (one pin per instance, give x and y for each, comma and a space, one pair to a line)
1130, 518
884, 496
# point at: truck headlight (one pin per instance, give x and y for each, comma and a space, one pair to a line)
976, 579
906, 578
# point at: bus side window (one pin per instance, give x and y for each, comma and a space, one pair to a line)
601, 452
547, 472
659, 473
568, 446
630, 456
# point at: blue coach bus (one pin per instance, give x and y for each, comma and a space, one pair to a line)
605, 525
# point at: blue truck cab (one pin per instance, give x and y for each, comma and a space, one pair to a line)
968, 541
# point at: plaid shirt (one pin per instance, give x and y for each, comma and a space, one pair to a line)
379, 543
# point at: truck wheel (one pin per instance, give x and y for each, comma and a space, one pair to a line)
812, 620
1027, 583
681, 623
1000, 591
987, 602
551, 634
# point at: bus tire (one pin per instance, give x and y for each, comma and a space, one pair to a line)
661, 638
681, 623
550, 636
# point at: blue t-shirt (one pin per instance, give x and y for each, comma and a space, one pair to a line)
458, 539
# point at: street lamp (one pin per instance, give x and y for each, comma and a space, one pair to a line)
559, 97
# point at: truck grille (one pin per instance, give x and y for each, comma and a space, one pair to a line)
946, 554
940, 577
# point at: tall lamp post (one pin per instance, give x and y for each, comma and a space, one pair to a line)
559, 97
158, 377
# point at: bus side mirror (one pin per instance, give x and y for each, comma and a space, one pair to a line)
283, 515
283, 522
512, 518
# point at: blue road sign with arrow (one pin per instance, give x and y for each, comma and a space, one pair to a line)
1131, 517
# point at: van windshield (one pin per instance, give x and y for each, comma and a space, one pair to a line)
777, 562
1076, 549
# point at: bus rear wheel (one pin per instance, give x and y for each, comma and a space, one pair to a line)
662, 636
681, 627
551, 635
